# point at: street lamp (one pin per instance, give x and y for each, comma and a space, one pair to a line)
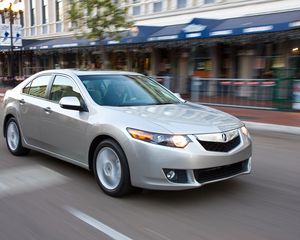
10, 9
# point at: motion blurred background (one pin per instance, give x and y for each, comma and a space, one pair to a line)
240, 56
220, 52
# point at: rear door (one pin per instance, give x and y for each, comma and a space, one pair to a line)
32, 107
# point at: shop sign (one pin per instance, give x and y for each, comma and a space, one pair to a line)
65, 45
294, 24
296, 95
258, 29
113, 42
220, 33
194, 28
160, 38
193, 35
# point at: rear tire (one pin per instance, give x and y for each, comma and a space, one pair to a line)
111, 169
14, 138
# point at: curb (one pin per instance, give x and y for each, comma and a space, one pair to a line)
273, 128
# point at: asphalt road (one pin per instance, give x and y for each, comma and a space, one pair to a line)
44, 198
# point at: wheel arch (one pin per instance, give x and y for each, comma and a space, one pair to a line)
94, 145
6, 119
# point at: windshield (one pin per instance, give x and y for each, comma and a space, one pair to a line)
126, 90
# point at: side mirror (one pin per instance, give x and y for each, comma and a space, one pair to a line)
71, 103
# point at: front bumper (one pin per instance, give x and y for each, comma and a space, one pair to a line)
150, 163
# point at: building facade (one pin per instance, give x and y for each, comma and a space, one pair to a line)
256, 54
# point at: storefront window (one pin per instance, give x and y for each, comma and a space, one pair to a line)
294, 61
270, 62
202, 63
141, 62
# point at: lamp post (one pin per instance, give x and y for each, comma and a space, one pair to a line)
11, 9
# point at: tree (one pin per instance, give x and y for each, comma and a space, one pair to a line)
97, 19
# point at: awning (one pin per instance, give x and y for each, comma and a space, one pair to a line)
66, 42
197, 28
167, 33
257, 24
137, 34
140, 34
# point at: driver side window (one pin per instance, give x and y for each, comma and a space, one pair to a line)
63, 87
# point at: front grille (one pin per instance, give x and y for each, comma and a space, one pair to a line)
215, 173
220, 146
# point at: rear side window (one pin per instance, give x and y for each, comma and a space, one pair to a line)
26, 88
38, 86
63, 87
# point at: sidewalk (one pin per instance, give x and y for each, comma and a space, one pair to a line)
288, 122
274, 121
264, 116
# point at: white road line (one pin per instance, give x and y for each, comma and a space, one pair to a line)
157, 234
96, 224
26, 179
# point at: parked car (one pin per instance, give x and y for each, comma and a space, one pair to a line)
126, 128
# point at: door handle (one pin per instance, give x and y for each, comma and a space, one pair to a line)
47, 110
22, 101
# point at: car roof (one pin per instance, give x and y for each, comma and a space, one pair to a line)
90, 72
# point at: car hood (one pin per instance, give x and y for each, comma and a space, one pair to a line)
185, 118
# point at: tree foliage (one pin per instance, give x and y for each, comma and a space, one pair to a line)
97, 19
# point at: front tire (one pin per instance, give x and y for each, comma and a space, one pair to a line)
14, 138
111, 169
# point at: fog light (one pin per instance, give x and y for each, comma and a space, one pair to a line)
176, 175
171, 175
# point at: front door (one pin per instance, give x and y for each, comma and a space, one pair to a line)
64, 131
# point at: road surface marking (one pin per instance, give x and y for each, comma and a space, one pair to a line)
96, 224
157, 234
26, 179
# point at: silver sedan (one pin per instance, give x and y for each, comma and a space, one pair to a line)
126, 128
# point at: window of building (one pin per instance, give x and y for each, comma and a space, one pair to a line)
157, 7
209, 1
59, 14
63, 87
38, 86
32, 12
22, 19
181, 3
45, 15
58, 10
136, 10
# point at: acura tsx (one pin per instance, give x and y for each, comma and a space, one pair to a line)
126, 128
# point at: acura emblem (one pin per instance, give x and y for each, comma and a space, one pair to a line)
224, 137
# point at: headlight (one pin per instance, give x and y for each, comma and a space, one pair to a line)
178, 141
245, 131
